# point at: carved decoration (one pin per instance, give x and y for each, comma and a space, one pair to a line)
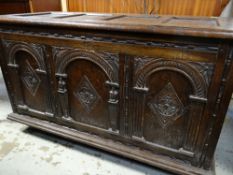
87, 94
206, 69
63, 99
35, 50
112, 59
166, 106
190, 72
197, 47
224, 78
30, 79
196, 74
125, 96
63, 56
139, 62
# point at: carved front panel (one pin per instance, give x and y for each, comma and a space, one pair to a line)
88, 82
170, 97
29, 78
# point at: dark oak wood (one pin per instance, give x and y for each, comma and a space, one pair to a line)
14, 6
152, 88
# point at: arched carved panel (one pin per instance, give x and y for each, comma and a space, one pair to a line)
167, 93
86, 99
28, 72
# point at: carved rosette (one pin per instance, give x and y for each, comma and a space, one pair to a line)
166, 106
30, 79
87, 94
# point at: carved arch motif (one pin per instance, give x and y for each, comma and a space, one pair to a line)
196, 79
66, 56
36, 51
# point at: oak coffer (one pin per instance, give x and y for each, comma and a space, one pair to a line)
152, 88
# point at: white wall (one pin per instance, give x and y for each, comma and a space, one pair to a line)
228, 11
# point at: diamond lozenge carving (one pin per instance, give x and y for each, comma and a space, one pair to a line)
30, 79
87, 94
166, 106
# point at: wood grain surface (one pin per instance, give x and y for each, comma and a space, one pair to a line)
165, 7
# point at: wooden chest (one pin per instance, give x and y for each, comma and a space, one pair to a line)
152, 88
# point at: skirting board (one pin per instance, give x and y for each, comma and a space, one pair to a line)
111, 146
